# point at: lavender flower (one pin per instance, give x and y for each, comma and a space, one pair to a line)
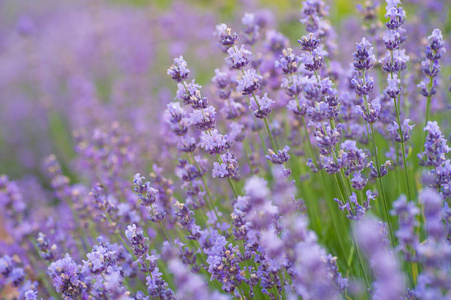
213, 142
137, 239
46, 250
364, 58
435, 146
11, 270
251, 28
408, 241
309, 43
228, 168
288, 61
67, 278
31, 295
203, 119
261, 106
280, 157
249, 83
225, 35
393, 89
354, 210
389, 282
178, 71
405, 129
313, 61
238, 58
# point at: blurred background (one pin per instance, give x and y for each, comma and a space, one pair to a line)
72, 66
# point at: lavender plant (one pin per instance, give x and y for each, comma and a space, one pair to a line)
180, 173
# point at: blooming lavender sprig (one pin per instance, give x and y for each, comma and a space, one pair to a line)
203, 116
251, 29
248, 84
187, 221
389, 281
434, 155
355, 210
340, 283
288, 61
226, 38
395, 61
261, 106
11, 270
313, 13
431, 67
364, 60
238, 59
408, 240
148, 196
137, 239
227, 167
67, 277
179, 71
46, 250
435, 253
223, 264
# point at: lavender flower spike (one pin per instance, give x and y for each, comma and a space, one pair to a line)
178, 71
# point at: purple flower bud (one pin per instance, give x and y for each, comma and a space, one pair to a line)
294, 86
309, 43
431, 68
221, 79
313, 61
392, 40
203, 119
228, 168
288, 61
363, 87
225, 35
378, 173
261, 107
213, 142
186, 144
372, 114
393, 88
178, 71
249, 83
280, 157
67, 277
358, 182
364, 58
397, 17
238, 58
436, 40
187, 94
405, 129
299, 108
398, 63
31, 295
389, 282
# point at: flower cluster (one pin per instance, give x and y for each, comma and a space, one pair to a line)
272, 166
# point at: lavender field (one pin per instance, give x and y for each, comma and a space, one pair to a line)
242, 149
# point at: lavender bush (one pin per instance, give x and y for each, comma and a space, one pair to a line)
279, 155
